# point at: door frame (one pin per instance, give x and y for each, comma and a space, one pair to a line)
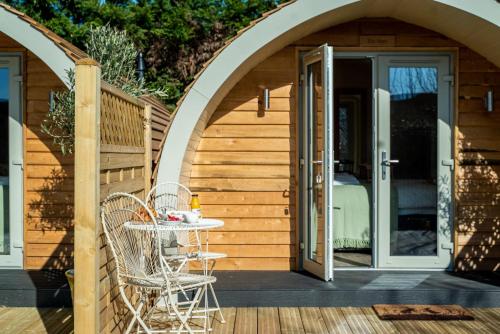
374, 53
444, 63
323, 55
16, 155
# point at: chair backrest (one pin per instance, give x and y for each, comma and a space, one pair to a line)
136, 251
172, 196
168, 196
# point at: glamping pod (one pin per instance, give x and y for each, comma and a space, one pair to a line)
334, 134
37, 180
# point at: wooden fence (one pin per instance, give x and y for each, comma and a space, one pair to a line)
112, 153
161, 119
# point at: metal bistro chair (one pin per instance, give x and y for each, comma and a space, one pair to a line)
171, 196
133, 237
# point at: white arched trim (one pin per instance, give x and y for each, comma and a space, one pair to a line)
37, 42
475, 24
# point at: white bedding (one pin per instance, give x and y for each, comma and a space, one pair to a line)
342, 179
416, 197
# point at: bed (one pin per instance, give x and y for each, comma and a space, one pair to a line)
352, 212
352, 207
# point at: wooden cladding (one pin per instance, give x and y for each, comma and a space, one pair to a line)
244, 170
245, 163
48, 174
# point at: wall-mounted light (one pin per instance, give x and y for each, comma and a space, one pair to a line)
265, 102
51, 100
489, 101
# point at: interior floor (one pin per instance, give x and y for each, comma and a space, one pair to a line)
356, 258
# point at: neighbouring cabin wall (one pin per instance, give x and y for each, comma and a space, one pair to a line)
48, 175
245, 164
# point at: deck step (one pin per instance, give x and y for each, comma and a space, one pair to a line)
357, 288
37, 288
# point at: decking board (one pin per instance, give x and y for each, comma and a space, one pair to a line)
285, 320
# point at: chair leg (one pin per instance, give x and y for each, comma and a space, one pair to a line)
136, 314
216, 301
184, 318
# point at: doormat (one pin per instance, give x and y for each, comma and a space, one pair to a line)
422, 312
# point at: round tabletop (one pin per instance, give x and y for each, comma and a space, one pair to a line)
163, 225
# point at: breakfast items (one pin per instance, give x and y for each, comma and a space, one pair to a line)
195, 205
174, 218
190, 217
143, 214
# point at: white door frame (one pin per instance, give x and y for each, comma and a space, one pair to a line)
13, 62
324, 56
444, 161
375, 170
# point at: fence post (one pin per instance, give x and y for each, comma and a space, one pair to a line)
148, 150
87, 151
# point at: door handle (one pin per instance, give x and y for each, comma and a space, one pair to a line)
317, 162
387, 163
18, 163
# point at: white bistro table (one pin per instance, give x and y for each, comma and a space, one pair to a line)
165, 228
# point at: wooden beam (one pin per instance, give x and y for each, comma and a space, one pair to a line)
87, 141
148, 149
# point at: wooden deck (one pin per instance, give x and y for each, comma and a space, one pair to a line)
270, 320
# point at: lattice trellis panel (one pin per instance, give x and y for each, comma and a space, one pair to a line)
122, 120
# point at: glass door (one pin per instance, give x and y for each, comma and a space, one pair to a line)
11, 204
414, 162
318, 158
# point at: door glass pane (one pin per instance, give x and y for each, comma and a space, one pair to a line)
316, 224
4, 161
413, 126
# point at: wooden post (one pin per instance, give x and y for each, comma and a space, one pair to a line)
148, 150
87, 150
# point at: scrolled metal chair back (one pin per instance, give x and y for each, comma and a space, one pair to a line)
136, 251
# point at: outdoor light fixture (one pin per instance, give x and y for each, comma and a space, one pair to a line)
141, 67
51, 100
488, 101
265, 98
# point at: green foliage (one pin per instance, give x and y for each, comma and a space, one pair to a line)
59, 123
176, 36
117, 55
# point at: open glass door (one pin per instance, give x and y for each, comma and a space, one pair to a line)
318, 162
11, 153
414, 162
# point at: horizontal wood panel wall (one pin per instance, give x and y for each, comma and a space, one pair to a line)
244, 166
122, 169
48, 175
243, 170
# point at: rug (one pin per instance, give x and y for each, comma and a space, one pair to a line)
422, 312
